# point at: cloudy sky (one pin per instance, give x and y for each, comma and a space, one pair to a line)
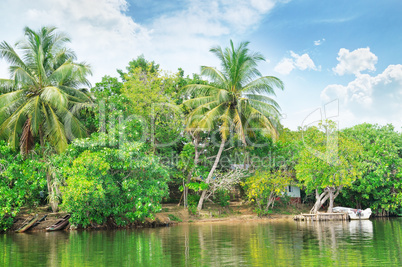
338, 59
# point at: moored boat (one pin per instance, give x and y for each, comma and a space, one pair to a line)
60, 224
26, 225
354, 214
40, 220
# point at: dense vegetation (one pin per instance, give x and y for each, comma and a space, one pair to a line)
114, 152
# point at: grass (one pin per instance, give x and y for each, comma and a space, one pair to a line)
174, 218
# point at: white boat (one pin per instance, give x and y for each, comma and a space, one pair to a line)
354, 214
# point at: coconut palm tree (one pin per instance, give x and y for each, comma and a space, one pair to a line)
41, 99
236, 100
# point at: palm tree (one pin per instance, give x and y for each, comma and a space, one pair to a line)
42, 97
236, 100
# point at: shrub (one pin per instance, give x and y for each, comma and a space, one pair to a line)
222, 197
21, 181
123, 184
264, 187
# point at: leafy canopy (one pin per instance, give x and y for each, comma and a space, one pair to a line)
238, 95
42, 97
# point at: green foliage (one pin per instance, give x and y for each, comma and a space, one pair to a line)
193, 200
139, 63
236, 100
222, 197
264, 187
43, 102
381, 185
152, 98
339, 164
124, 184
237, 94
192, 204
21, 181
186, 160
174, 218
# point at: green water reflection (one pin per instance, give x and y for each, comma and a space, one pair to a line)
286, 243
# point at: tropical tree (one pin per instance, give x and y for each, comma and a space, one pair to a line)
328, 162
236, 100
42, 98
264, 187
381, 185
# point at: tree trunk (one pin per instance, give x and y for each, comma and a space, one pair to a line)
320, 200
271, 200
53, 198
196, 157
204, 192
185, 196
332, 197
42, 143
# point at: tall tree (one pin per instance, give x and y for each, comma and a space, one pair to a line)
327, 163
42, 98
236, 100
381, 185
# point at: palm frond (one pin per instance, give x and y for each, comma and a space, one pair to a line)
36, 117
263, 85
267, 108
54, 96
7, 85
72, 126
215, 75
210, 118
21, 76
262, 98
76, 95
201, 89
8, 53
226, 121
271, 124
10, 97
54, 132
13, 125
237, 120
199, 101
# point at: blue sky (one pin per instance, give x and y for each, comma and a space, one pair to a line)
346, 53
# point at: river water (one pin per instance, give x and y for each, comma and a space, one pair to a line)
257, 243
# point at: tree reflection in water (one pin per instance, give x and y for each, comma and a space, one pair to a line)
257, 243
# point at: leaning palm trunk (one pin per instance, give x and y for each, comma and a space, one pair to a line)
211, 173
236, 99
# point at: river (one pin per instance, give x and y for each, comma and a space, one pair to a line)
256, 243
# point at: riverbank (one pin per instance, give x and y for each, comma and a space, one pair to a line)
171, 214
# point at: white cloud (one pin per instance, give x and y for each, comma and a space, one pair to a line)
101, 34
319, 42
301, 62
285, 66
104, 36
375, 99
355, 62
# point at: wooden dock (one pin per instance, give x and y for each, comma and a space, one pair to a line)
322, 217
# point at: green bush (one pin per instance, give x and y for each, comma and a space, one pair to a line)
264, 187
123, 184
21, 181
193, 200
222, 197
192, 203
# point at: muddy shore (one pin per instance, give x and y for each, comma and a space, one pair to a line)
171, 214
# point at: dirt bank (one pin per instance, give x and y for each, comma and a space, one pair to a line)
171, 214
